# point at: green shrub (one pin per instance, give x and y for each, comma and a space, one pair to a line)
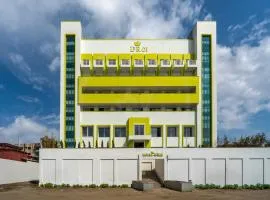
92, 186
113, 186
104, 185
48, 185
124, 186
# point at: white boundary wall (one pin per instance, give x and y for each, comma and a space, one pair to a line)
218, 166
15, 171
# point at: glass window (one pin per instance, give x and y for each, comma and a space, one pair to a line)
138, 62
178, 62
84, 131
125, 62
139, 129
112, 62
85, 62
156, 131
152, 62
120, 131
99, 62
104, 132
172, 131
188, 132
165, 62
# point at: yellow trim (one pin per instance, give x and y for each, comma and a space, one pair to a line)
176, 56
86, 56
151, 56
139, 81
163, 57
98, 56
131, 122
145, 98
124, 56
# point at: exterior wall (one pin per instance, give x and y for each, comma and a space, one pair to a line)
184, 49
14, 155
16, 171
120, 166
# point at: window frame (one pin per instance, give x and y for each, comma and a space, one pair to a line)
150, 62
138, 60
192, 134
99, 62
124, 64
104, 135
176, 131
87, 130
112, 64
139, 125
161, 131
120, 127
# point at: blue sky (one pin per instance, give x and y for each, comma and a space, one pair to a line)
29, 56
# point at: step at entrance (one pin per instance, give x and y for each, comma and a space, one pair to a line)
151, 177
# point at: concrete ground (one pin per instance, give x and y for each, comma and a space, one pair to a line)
32, 192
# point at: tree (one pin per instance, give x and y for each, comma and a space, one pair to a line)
47, 142
83, 144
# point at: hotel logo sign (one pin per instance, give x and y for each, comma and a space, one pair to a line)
137, 48
152, 154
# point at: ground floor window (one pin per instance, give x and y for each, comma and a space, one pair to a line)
172, 131
139, 145
139, 129
104, 131
120, 131
188, 131
156, 131
87, 131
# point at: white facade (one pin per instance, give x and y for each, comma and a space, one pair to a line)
96, 104
219, 166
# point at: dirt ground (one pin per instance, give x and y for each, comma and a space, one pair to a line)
32, 192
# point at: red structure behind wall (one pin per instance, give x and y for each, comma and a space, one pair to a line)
12, 152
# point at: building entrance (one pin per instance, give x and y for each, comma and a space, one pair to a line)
138, 144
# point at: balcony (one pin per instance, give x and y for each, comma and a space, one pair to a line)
192, 63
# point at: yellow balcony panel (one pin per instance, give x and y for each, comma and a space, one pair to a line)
112, 56
143, 98
86, 56
98, 56
138, 81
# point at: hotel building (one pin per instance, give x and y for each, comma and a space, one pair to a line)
138, 93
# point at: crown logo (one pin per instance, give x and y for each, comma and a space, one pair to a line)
137, 43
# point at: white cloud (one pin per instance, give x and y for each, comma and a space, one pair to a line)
141, 19
26, 130
243, 83
28, 99
23, 72
55, 64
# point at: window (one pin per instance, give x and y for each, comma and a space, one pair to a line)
112, 62
85, 62
120, 131
178, 62
139, 129
172, 131
151, 62
125, 62
188, 131
156, 131
87, 131
165, 62
99, 62
138, 62
104, 132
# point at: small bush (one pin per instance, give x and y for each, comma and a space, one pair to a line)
48, 185
113, 186
104, 185
92, 186
124, 186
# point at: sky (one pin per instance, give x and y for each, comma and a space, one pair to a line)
29, 56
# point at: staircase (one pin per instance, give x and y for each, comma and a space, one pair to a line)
151, 177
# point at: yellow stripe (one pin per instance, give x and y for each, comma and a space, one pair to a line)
144, 98
138, 81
